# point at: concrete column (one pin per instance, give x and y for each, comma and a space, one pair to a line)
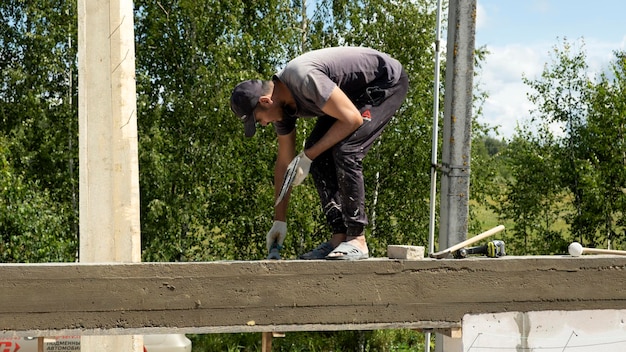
109, 172
455, 157
457, 123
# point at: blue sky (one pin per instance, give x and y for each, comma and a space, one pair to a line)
509, 21
520, 33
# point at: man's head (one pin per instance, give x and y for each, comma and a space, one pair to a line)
244, 100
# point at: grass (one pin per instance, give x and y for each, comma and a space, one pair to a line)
487, 217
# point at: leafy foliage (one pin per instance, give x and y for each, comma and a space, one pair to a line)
38, 138
603, 150
206, 192
209, 195
32, 223
572, 166
374, 341
533, 197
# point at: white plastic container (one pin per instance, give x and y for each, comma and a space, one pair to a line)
167, 343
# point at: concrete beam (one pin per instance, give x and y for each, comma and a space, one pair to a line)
265, 296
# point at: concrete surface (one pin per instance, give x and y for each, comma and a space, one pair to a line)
249, 296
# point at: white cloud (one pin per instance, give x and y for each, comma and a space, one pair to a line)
501, 77
503, 69
600, 54
481, 16
541, 6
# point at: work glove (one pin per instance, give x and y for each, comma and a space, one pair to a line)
302, 169
275, 238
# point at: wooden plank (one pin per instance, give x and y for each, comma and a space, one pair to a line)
266, 296
266, 342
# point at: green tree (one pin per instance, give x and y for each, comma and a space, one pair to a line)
203, 186
603, 150
577, 172
206, 190
533, 197
33, 225
561, 96
38, 118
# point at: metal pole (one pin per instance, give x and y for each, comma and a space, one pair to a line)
433, 166
456, 143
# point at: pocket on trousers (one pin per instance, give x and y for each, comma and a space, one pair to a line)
372, 96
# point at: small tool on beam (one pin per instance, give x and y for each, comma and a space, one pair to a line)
493, 249
575, 249
444, 253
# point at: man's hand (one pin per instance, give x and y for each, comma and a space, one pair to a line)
302, 169
275, 238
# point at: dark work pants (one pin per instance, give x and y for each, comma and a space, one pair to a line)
338, 172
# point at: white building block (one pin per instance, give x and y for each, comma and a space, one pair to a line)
405, 252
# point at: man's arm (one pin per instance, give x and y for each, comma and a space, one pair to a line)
348, 118
286, 153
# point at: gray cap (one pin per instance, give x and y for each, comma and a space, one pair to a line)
243, 100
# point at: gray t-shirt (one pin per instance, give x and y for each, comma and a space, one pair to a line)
312, 76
